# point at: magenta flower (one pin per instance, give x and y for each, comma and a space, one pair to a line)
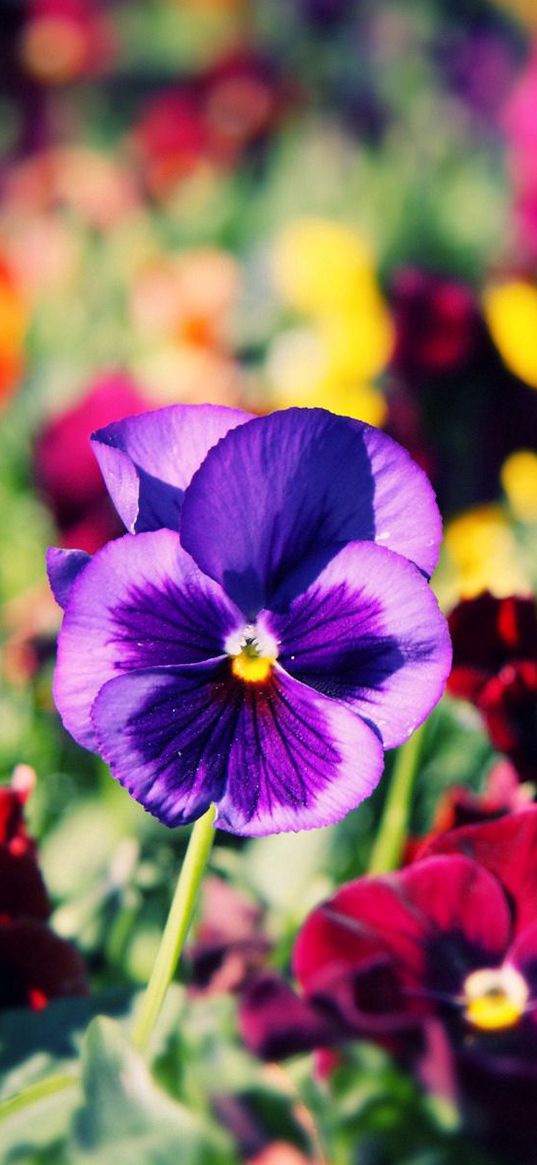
265, 630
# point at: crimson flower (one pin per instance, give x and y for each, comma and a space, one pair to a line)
495, 666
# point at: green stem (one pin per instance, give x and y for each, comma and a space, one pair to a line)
176, 929
390, 840
37, 1091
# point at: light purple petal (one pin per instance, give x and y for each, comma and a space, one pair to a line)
273, 757
147, 461
368, 631
63, 568
141, 602
283, 487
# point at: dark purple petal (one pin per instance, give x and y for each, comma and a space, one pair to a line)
436, 920
367, 631
275, 1022
140, 603
147, 461
273, 757
298, 760
63, 568
284, 487
166, 735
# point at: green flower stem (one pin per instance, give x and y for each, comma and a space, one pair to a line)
38, 1091
391, 837
176, 929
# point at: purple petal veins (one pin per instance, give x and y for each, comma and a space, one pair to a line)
262, 654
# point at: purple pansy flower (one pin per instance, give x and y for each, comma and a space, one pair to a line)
266, 628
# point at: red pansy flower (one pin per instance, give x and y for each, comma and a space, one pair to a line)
495, 666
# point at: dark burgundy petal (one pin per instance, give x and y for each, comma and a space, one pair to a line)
275, 1022
22, 890
508, 849
508, 702
435, 920
36, 965
488, 632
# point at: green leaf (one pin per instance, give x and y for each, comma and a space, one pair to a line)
127, 1118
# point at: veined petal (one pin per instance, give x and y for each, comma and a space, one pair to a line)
274, 757
140, 602
367, 631
508, 848
63, 568
298, 760
283, 487
148, 460
436, 920
166, 734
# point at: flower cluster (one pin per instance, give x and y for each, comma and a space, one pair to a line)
266, 629
437, 963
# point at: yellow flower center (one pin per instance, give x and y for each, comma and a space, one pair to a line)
249, 662
495, 998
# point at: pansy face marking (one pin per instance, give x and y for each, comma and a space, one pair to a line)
266, 629
495, 998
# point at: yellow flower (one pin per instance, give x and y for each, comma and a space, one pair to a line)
480, 553
321, 266
511, 314
519, 481
301, 370
523, 10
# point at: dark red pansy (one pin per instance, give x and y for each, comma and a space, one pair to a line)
437, 325
66, 471
495, 666
171, 139
507, 848
460, 806
242, 98
37, 966
230, 943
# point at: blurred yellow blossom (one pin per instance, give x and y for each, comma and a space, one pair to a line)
324, 271
519, 481
523, 10
511, 314
302, 371
481, 553
322, 266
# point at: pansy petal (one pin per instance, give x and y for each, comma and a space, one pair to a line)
278, 489
437, 920
63, 568
275, 1022
298, 760
166, 734
148, 460
369, 632
273, 757
141, 602
508, 848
